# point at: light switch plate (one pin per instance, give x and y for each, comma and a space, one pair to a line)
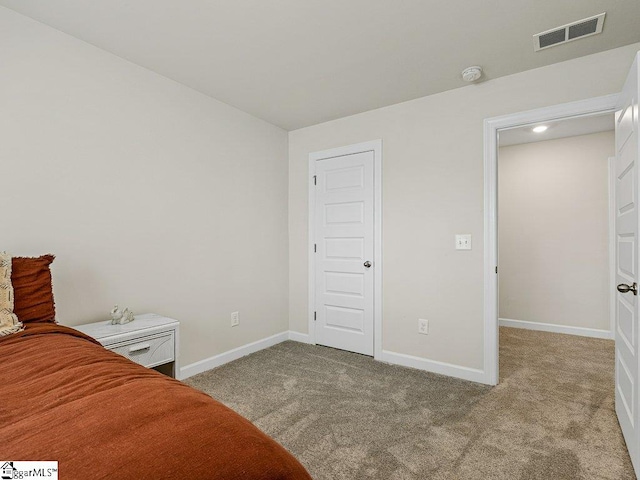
463, 242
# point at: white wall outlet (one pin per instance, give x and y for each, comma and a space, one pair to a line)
423, 326
463, 242
235, 319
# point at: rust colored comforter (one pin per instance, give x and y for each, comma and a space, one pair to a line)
64, 397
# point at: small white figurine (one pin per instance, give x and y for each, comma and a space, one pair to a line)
121, 316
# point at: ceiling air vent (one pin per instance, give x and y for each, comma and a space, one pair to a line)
567, 33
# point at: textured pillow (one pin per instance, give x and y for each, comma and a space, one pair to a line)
33, 294
8, 320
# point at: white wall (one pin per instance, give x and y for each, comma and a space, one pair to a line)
553, 231
150, 194
433, 189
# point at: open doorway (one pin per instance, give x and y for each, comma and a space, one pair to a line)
584, 108
554, 228
559, 197
626, 191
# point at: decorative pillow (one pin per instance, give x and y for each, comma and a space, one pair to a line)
9, 322
33, 294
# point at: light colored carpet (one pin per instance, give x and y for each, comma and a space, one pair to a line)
345, 416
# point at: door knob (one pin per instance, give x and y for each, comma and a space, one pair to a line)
367, 264
624, 288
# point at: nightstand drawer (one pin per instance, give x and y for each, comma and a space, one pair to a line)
148, 351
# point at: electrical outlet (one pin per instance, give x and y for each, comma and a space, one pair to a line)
423, 326
235, 319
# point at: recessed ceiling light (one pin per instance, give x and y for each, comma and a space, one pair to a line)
540, 128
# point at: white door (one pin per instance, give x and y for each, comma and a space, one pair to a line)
344, 236
627, 211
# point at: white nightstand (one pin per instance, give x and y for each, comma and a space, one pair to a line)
150, 340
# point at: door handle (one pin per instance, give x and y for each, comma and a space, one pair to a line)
624, 288
367, 264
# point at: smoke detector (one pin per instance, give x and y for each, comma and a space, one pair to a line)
471, 74
569, 32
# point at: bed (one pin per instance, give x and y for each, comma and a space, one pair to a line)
68, 399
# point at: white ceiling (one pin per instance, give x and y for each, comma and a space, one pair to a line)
300, 62
559, 129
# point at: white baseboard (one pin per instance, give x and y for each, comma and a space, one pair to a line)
442, 368
419, 363
550, 327
226, 357
299, 337
401, 359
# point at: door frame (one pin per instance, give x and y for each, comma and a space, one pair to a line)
588, 107
611, 165
374, 146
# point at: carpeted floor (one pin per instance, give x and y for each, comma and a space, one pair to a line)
345, 416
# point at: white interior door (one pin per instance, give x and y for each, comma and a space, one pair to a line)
344, 249
626, 232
